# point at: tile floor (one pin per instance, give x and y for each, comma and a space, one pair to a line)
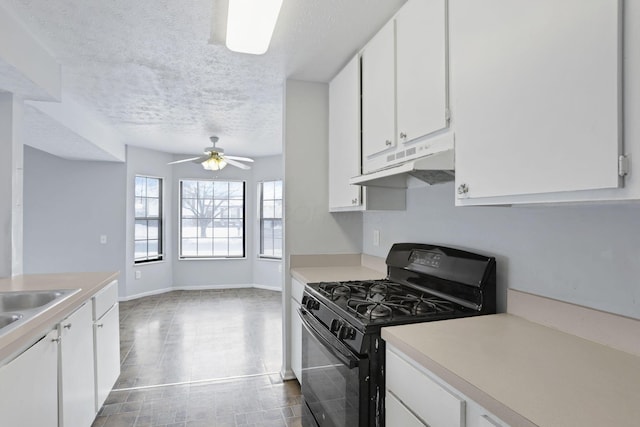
202, 358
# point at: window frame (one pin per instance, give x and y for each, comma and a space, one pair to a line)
182, 257
160, 218
261, 219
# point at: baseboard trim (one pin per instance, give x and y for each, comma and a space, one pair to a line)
198, 288
287, 375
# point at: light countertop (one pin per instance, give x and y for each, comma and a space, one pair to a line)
335, 274
88, 283
337, 267
526, 373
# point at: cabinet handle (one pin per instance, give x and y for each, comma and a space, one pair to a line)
403, 135
354, 201
463, 189
67, 326
99, 325
57, 340
388, 143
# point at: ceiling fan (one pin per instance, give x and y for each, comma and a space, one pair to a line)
214, 158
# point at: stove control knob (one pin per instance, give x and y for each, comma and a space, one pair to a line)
345, 332
312, 304
335, 326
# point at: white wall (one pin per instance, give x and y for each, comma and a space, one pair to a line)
585, 254
266, 272
309, 227
155, 276
68, 205
11, 186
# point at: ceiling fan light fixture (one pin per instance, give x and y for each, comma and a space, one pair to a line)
214, 163
250, 25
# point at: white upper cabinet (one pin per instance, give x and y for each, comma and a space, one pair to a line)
421, 70
404, 83
345, 161
378, 93
536, 99
344, 137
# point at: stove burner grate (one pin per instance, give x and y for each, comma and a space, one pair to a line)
372, 309
423, 304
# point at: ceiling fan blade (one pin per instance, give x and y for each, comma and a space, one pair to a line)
201, 158
242, 159
236, 164
185, 160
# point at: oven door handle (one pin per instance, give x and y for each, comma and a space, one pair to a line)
331, 343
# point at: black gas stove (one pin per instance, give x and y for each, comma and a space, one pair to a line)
342, 321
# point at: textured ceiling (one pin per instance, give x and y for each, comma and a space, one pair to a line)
158, 71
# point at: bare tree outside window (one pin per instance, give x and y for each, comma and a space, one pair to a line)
212, 219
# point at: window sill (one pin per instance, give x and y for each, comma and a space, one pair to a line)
267, 258
212, 259
141, 264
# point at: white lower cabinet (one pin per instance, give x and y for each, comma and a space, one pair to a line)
29, 386
434, 404
296, 329
63, 379
77, 402
107, 353
417, 397
396, 414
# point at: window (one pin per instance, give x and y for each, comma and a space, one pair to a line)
148, 219
212, 219
270, 219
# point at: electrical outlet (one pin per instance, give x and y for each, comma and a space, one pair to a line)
138, 274
376, 237
103, 239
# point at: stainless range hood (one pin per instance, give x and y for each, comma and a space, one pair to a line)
434, 168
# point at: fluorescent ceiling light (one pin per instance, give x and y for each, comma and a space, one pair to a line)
250, 25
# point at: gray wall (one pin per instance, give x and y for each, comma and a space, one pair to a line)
228, 272
67, 206
584, 254
70, 203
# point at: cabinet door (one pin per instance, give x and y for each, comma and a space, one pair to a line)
433, 403
296, 341
29, 386
421, 72
107, 353
344, 137
535, 95
77, 385
378, 94
396, 414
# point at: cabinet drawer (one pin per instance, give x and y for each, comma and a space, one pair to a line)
297, 288
434, 404
396, 414
105, 299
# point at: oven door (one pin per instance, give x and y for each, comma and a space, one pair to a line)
334, 379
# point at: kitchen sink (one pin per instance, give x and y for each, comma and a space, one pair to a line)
7, 319
16, 308
16, 301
